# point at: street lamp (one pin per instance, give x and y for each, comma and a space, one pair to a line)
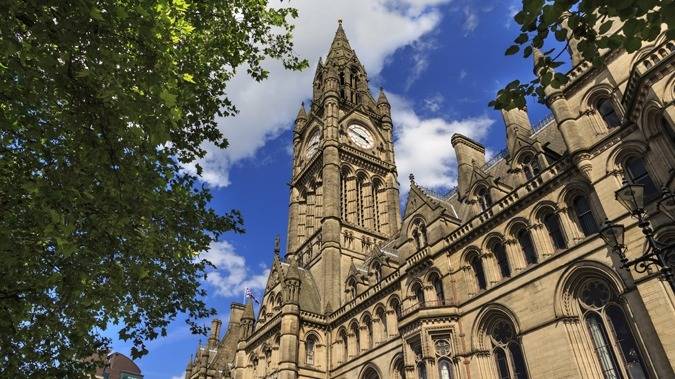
631, 196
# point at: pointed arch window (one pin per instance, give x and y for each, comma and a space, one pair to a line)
530, 166
421, 370
310, 346
419, 233
357, 338
507, 351
351, 289
396, 307
483, 198
585, 216
437, 283
477, 267
608, 112
345, 345
369, 330
382, 315
444, 369
344, 201
552, 224
499, 251
418, 291
525, 240
359, 200
638, 174
376, 204
377, 271
612, 337
399, 369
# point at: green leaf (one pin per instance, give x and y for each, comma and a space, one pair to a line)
604, 28
512, 50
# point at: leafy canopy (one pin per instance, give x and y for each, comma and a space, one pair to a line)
592, 26
102, 103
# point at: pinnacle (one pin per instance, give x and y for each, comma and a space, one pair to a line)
382, 99
248, 311
302, 115
340, 47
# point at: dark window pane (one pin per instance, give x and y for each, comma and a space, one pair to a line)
519, 367
500, 254
624, 336
502, 364
638, 174
526, 244
419, 294
608, 113
422, 370
552, 224
585, 216
438, 287
444, 370
602, 347
478, 271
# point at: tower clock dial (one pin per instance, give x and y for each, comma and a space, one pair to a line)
360, 136
312, 145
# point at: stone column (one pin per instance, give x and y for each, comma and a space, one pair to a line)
515, 255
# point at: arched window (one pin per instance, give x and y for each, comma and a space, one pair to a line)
499, 251
444, 369
507, 351
369, 330
351, 289
345, 345
617, 351
552, 225
399, 369
359, 200
344, 177
310, 346
382, 315
370, 373
357, 338
419, 233
637, 174
479, 274
530, 166
377, 271
395, 305
608, 112
437, 283
376, 204
421, 370
585, 216
483, 198
525, 240
419, 293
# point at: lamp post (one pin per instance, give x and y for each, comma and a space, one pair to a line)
631, 196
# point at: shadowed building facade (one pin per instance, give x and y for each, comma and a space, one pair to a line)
506, 276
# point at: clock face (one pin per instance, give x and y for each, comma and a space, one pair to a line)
313, 145
360, 136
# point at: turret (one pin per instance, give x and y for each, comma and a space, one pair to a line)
517, 125
215, 333
469, 153
247, 319
383, 105
301, 118
572, 43
290, 322
566, 121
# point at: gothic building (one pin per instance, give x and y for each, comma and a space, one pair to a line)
504, 277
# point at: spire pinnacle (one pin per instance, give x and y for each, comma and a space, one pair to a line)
382, 99
302, 115
340, 48
277, 241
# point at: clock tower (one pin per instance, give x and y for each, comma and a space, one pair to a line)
344, 192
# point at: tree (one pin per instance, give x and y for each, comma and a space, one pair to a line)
589, 27
102, 105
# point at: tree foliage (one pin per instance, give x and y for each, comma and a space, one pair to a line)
102, 104
593, 26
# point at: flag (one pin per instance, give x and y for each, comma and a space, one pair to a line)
249, 293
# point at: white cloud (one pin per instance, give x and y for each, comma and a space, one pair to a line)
420, 58
181, 376
231, 275
470, 20
513, 9
375, 30
433, 103
423, 145
462, 74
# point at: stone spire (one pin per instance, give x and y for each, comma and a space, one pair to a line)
382, 99
302, 115
572, 43
340, 50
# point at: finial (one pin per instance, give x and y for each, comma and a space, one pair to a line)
277, 242
411, 177
340, 21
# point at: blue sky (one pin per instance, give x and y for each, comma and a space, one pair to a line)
440, 62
